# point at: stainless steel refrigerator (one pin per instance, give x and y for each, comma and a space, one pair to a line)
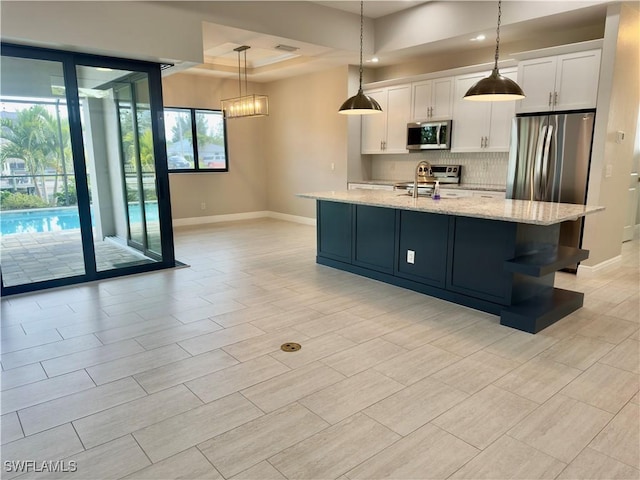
549, 161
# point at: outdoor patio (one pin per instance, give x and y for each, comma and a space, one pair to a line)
34, 257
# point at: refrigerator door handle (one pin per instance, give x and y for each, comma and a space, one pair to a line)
536, 166
546, 171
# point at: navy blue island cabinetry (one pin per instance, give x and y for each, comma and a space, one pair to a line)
501, 260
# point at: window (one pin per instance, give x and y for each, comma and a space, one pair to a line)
208, 152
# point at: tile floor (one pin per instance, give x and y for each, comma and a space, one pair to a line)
178, 374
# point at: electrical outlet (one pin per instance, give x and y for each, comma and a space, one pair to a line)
203, 206
608, 170
411, 256
333, 166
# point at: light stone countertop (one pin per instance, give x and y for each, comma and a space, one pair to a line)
518, 211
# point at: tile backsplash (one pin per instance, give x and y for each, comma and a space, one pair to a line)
477, 168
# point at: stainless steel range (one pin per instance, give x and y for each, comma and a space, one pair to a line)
444, 174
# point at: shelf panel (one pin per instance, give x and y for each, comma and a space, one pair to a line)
536, 313
543, 263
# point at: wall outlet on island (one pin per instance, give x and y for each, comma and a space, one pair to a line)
411, 256
203, 206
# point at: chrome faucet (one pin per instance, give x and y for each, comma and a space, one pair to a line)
423, 171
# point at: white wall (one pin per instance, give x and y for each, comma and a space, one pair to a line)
617, 110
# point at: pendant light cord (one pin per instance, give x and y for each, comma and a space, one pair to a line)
361, 35
246, 84
239, 76
498, 34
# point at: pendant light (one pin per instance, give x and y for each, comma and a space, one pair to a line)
247, 105
360, 104
495, 87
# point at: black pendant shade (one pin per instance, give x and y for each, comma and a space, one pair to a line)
360, 104
494, 88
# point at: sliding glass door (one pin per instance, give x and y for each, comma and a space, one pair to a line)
89, 198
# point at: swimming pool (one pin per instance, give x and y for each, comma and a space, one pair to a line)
57, 219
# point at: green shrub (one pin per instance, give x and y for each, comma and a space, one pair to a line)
18, 201
61, 198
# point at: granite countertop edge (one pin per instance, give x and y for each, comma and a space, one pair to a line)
517, 211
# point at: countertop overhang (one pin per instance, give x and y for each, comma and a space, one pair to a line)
517, 211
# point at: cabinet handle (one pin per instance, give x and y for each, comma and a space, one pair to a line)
481, 142
430, 111
550, 98
381, 145
555, 98
486, 142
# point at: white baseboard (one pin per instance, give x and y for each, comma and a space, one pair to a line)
292, 218
607, 263
232, 217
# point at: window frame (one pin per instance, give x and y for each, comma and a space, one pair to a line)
194, 140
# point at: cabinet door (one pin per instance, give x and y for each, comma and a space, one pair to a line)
577, 80
502, 114
470, 119
485, 194
536, 77
442, 98
398, 113
426, 235
375, 236
334, 230
374, 127
422, 92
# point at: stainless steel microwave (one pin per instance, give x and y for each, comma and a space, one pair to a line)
429, 135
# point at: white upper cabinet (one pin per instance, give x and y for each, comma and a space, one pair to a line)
432, 99
480, 126
387, 132
561, 82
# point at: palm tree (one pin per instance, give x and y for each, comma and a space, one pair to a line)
31, 137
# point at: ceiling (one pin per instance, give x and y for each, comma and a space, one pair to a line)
265, 62
373, 9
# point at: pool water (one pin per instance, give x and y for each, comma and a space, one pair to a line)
57, 219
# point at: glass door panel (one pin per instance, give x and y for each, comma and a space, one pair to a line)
118, 143
40, 225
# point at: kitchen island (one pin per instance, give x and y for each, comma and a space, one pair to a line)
498, 256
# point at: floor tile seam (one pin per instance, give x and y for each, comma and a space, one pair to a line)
536, 356
62, 339
146, 394
4, 352
104, 330
402, 437
636, 467
541, 405
46, 377
197, 447
92, 365
574, 337
132, 432
622, 370
25, 437
55, 398
615, 366
324, 428
332, 425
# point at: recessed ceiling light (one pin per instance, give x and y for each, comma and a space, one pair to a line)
104, 69
373, 60
478, 38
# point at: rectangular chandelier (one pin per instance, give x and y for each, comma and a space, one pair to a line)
246, 106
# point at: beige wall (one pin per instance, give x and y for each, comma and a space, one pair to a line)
306, 135
241, 189
617, 110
